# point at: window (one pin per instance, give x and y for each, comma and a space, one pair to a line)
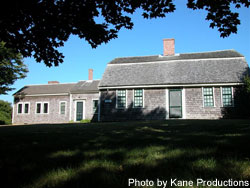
26, 108
62, 108
95, 106
208, 97
227, 98
138, 98
38, 108
20, 108
46, 108
121, 98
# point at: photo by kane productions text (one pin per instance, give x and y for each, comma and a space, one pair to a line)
174, 182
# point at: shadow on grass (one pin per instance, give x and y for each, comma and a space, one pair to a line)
107, 154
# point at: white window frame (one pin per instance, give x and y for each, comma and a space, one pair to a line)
126, 98
75, 106
60, 107
42, 107
93, 106
203, 101
134, 98
41, 111
18, 107
221, 98
24, 107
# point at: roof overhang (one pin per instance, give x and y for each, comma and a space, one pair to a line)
169, 85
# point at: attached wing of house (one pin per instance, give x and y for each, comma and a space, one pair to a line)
56, 103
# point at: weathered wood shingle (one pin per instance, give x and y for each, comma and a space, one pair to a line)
226, 66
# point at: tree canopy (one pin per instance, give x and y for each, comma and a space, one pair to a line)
5, 112
11, 68
39, 27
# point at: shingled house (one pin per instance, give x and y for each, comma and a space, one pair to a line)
56, 103
187, 86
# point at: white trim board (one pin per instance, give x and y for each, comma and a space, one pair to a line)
170, 85
179, 60
55, 94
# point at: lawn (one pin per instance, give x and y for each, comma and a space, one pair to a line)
108, 154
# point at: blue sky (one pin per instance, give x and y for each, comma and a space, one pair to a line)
189, 28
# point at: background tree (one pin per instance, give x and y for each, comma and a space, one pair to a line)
39, 27
5, 112
11, 68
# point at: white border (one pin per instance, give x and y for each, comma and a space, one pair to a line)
183, 103
65, 107
48, 107
18, 108
167, 104
203, 101
167, 86
99, 107
95, 99
24, 108
133, 100
221, 97
41, 111
116, 101
179, 60
83, 113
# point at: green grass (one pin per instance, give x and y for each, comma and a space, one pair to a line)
107, 154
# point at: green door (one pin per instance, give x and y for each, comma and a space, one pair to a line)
79, 111
175, 103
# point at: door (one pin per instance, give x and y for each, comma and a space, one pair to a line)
79, 110
175, 103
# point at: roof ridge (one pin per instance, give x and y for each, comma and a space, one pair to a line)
50, 84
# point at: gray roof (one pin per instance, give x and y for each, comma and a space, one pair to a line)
89, 86
80, 87
226, 66
45, 89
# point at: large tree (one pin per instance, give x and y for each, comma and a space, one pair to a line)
39, 27
5, 112
11, 68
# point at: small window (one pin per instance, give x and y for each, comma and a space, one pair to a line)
95, 106
227, 96
62, 108
20, 108
45, 108
38, 108
208, 97
121, 98
26, 108
138, 98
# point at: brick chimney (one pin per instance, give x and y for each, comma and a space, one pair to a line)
90, 74
168, 47
53, 82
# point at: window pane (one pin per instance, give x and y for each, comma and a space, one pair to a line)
20, 106
62, 107
38, 108
95, 106
121, 98
26, 108
138, 98
45, 108
208, 96
227, 96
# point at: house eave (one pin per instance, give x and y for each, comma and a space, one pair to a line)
170, 85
